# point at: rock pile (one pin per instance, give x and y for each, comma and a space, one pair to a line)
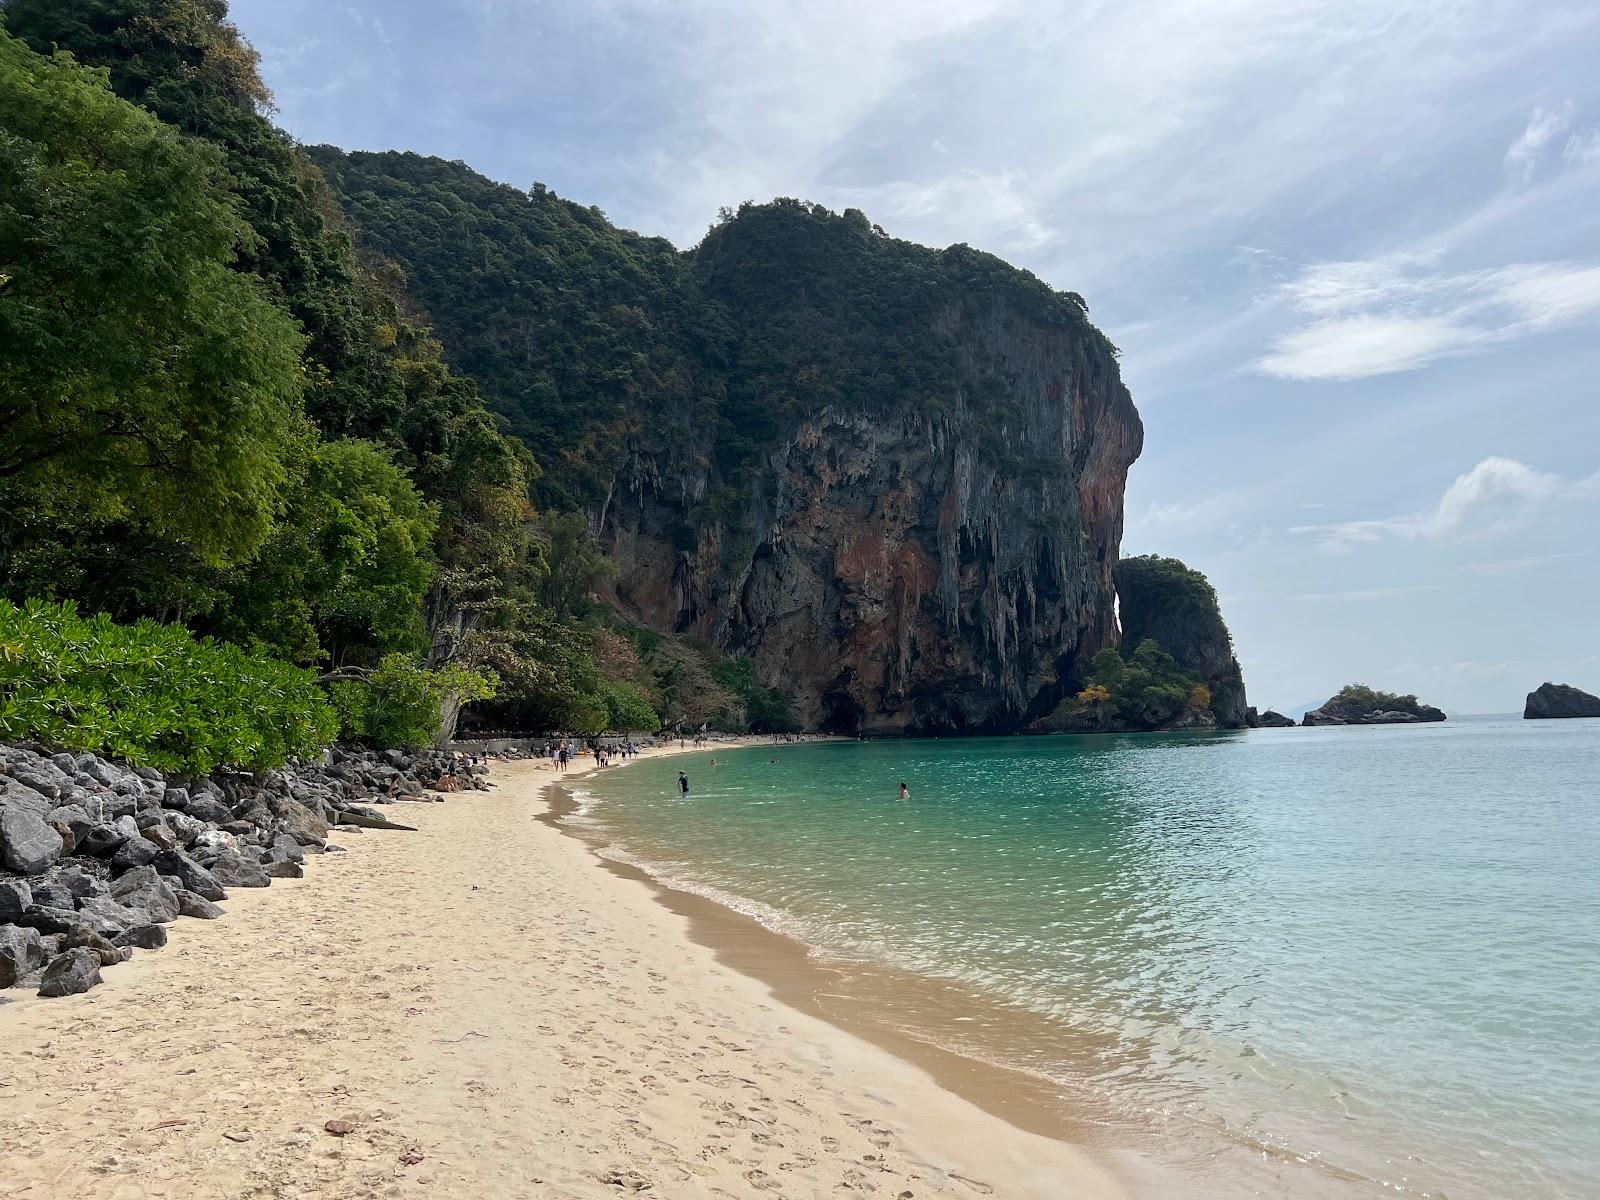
97, 857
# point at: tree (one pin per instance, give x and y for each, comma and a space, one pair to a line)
344, 572
140, 375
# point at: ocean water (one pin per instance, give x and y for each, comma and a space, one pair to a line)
1343, 961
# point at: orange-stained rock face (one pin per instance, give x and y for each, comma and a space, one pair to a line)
921, 571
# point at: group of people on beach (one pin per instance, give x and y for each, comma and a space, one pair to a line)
563, 752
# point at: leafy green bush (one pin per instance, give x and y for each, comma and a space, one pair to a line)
401, 705
152, 694
627, 711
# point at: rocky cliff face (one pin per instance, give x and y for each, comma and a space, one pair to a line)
910, 572
1551, 701
1163, 599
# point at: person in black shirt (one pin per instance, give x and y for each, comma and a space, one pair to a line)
683, 784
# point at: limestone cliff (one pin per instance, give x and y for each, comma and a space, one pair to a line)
889, 569
1163, 599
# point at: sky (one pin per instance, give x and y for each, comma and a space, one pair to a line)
1350, 252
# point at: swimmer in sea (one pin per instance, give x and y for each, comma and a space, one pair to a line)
905, 792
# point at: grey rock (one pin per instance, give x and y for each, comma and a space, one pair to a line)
108, 954
109, 917
22, 952
285, 870
145, 937
15, 895
194, 877
285, 849
98, 841
71, 973
127, 826
81, 883
206, 808
135, 852
232, 870
175, 798
184, 827
190, 905
214, 841
49, 920
144, 891
1552, 701
53, 895
30, 846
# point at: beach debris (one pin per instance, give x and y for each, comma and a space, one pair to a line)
411, 1156
339, 1127
628, 1181
170, 1123
237, 1137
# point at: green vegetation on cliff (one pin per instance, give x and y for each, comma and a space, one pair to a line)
591, 339
1165, 601
1140, 690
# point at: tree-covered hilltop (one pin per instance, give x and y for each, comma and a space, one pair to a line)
1358, 704
1164, 600
591, 339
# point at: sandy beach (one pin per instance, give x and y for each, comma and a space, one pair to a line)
489, 1011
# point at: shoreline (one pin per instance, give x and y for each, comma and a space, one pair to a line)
857, 999
473, 1009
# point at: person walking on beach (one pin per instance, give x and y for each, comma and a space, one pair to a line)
683, 784
561, 760
905, 792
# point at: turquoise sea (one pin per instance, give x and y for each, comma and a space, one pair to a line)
1307, 962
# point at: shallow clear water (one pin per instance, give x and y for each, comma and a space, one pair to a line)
1375, 950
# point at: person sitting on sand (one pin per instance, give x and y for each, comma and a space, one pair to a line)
905, 792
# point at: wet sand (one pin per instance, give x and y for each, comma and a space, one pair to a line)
491, 1014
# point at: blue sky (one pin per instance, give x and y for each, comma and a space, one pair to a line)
1351, 252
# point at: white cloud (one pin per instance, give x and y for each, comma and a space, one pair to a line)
1385, 315
1543, 127
1582, 149
1497, 495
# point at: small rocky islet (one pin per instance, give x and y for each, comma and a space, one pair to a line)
98, 857
1553, 701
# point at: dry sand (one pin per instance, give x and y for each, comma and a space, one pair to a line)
494, 1014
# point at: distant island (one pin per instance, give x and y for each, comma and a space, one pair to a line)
1358, 704
1551, 701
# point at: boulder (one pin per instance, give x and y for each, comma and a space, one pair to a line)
15, 896
234, 870
144, 891
190, 905
49, 920
81, 883
1552, 701
29, 845
204, 807
185, 828
214, 841
71, 973
98, 841
135, 852
108, 954
286, 869
160, 836
22, 952
54, 895
1271, 719
191, 874
145, 937
109, 917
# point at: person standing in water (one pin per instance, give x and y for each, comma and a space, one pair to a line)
683, 784
905, 792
